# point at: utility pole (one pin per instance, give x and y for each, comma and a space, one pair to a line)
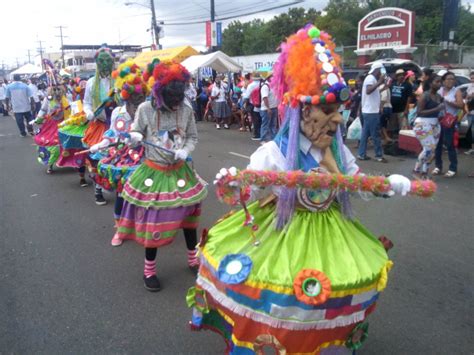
155, 28
213, 25
40, 50
29, 56
62, 44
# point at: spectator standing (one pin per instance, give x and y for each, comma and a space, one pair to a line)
3, 93
190, 94
22, 103
401, 92
268, 109
470, 111
453, 103
427, 128
370, 111
221, 109
385, 111
254, 107
36, 96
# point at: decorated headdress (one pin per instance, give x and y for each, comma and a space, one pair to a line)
104, 49
52, 75
307, 72
129, 80
159, 74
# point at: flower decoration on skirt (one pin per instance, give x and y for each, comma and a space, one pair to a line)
312, 287
234, 268
358, 335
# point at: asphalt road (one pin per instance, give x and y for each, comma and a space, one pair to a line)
64, 289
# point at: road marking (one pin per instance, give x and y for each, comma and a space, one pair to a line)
239, 155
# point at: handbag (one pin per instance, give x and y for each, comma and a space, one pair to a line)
448, 120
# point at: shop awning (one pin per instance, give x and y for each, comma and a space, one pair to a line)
177, 54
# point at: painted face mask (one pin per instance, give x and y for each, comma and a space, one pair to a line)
105, 64
319, 124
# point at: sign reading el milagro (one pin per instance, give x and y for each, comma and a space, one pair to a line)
399, 35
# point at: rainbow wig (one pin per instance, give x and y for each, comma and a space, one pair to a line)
307, 72
159, 74
129, 80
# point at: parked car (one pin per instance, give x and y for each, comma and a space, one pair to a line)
393, 64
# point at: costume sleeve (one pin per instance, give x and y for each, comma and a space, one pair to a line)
139, 123
352, 167
267, 157
88, 108
191, 131
44, 107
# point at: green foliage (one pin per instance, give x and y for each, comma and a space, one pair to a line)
341, 18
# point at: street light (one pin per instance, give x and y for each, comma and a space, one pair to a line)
154, 26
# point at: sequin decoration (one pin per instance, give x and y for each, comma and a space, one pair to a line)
327, 67
148, 182
181, 183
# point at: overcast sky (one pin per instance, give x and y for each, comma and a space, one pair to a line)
24, 22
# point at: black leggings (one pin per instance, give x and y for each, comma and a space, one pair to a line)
190, 235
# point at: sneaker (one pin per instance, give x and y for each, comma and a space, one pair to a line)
469, 152
218, 126
116, 241
381, 160
256, 138
100, 200
31, 133
83, 183
363, 158
23, 135
152, 283
226, 126
49, 170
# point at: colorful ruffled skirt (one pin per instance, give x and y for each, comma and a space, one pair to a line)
115, 169
158, 201
48, 142
305, 289
70, 139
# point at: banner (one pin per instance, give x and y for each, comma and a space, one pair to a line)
219, 33
208, 33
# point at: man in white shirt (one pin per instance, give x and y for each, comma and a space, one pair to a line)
3, 92
36, 98
268, 109
254, 109
19, 94
371, 113
220, 108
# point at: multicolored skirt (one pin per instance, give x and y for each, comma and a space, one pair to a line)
94, 133
305, 289
70, 139
116, 168
159, 200
48, 142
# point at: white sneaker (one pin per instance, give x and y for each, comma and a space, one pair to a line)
226, 126
469, 152
218, 126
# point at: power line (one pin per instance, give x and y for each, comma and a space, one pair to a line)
234, 16
62, 43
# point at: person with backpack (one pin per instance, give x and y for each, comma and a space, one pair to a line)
252, 102
268, 109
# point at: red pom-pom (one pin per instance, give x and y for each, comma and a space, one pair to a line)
330, 98
125, 95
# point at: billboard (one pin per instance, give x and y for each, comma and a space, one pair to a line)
374, 32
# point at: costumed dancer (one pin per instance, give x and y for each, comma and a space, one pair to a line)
164, 194
54, 109
121, 160
98, 106
294, 271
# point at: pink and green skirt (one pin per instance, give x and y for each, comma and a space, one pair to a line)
158, 201
48, 142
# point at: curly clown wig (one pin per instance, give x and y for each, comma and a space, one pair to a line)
160, 74
307, 72
129, 80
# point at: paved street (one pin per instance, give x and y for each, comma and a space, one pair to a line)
64, 289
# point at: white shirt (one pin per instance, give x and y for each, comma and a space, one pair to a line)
219, 92
34, 92
248, 92
265, 91
3, 91
370, 102
88, 102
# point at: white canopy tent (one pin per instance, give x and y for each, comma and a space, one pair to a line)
27, 69
218, 61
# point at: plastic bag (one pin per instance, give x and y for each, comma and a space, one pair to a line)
355, 130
